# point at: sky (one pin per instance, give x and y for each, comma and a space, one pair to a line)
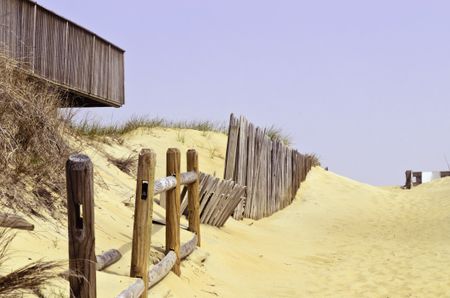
363, 84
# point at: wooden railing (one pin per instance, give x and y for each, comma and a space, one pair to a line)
80, 196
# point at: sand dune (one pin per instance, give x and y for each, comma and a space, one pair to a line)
339, 238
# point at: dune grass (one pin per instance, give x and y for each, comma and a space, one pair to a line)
276, 134
32, 149
27, 279
92, 129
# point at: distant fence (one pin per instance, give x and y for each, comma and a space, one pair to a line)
417, 178
271, 171
83, 263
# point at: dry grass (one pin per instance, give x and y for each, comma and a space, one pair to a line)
28, 279
32, 150
315, 161
94, 129
276, 134
125, 164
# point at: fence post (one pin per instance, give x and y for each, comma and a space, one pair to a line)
408, 183
173, 208
143, 211
80, 212
193, 195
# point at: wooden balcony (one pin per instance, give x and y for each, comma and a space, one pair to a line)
56, 50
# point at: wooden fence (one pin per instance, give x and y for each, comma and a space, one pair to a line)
83, 262
271, 171
57, 50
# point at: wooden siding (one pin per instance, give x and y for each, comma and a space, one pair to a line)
61, 52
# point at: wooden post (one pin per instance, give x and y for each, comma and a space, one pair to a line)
408, 184
173, 208
143, 211
193, 195
80, 212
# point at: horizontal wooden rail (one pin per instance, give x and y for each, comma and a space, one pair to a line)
168, 183
107, 258
160, 270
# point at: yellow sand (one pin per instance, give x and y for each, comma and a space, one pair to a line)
339, 238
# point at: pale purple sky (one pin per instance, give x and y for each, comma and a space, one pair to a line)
365, 85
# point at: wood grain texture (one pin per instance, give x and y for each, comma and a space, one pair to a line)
143, 211
271, 171
193, 195
61, 52
134, 290
170, 182
107, 258
81, 226
173, 207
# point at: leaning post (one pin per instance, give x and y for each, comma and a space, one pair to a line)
143, 212
173, 208
193, 195
80, 213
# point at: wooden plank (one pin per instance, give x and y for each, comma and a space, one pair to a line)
234, 199
231, 154
206, 192
241, 170
250, 170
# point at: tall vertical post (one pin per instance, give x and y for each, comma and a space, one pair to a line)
143, 212
193, 195
80, 212
408, 184
173, 208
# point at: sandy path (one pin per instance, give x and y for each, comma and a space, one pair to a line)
339, 239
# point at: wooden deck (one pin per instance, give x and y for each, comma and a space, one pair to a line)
59, 51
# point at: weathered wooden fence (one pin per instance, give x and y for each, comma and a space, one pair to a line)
83, 262
218, 199
271, 171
